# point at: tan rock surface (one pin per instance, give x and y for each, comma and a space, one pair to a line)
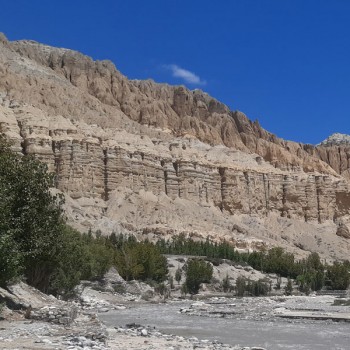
65, 82
343, 231
153, 158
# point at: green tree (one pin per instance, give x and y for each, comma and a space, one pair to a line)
178, 275
72, 263
338, 276
310, 273
225, 284
184, 289
304, 284
31, 217
141, 260
240, 286
171, 282
198, 271
260, 287
10, 259
289, 287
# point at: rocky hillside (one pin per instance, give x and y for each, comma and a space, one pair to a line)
336, 139
335, 150
155, 159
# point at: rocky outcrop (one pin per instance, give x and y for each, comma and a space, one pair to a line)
336, 139
337, 156
343, 231
20, 296
94, 91
89, 162
153, 158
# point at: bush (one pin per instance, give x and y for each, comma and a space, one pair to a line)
184, 289
79, 257
338, 276
178, 275
240, 286
254, 288
160, 288
226, 285
289, 287
10, 259
141, 261
197, 272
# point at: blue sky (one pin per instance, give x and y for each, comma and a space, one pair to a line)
283, 62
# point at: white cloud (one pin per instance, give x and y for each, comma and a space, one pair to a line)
188, 76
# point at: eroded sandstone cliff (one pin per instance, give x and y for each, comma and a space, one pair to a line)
157, 159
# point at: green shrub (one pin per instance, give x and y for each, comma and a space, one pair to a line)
226, 285
289, 287
141, 261
10, 259
338, 276
184, 289
178, 275
240, 286
197, 271
245, 286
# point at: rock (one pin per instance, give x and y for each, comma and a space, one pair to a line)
144, 332
11, 300
336, 139
343, 231
136, 156
140, 288
113, 282
103, 309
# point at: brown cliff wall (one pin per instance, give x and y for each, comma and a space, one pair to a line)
90, 165
97, 91
156, 158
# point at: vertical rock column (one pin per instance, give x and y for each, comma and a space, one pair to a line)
134, 170
80, 168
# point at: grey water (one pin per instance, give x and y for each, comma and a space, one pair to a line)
274, 334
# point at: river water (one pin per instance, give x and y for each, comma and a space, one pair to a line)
272, 334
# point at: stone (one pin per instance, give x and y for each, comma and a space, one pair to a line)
343, 231
336, 139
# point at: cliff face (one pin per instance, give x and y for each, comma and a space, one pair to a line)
335, 151
158, 159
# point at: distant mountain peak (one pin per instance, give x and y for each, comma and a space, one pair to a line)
336, 139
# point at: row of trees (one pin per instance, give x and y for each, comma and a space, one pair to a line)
254, 288
187, 246
138, 260
310, 273
36, 243
88, 256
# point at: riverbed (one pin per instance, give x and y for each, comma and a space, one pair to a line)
253, 322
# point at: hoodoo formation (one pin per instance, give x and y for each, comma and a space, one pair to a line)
158, 160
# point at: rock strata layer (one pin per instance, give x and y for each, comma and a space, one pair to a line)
153, 158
